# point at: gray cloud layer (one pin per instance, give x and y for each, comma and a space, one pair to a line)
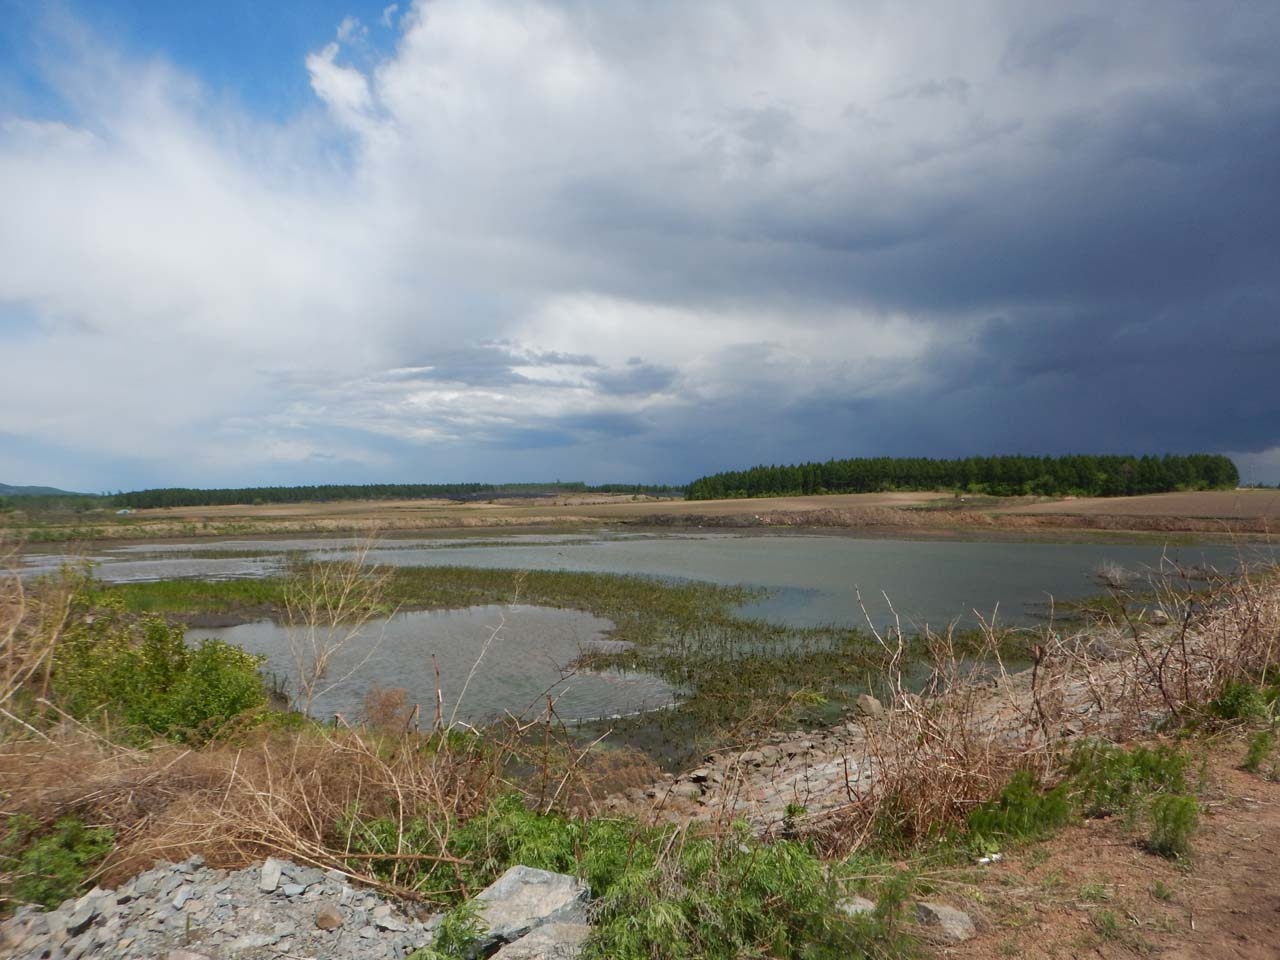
645, 241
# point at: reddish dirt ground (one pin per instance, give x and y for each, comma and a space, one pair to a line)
1094, 891
1208, 503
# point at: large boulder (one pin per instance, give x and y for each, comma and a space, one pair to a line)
525, 899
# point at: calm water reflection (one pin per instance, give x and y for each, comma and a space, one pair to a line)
519, 654
812, 579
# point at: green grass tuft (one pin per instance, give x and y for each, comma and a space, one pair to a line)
48, 865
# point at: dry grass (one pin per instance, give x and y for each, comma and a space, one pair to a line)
1258, 504
938, 753
267, 788
327, 606
282, 793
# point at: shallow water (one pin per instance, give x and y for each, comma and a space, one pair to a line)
491, 659
811, 580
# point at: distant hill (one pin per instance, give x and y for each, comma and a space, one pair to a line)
9, 491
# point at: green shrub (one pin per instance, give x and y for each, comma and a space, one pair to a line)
1260, 746
46, 866
141, 673
1107, 924
659, 892
456, 937
1108, 780
1238, 701
1173, 820
1023, 811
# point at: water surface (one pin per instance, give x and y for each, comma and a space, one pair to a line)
491, 660
811, 579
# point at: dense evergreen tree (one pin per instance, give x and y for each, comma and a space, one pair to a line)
1079, 475
187, 497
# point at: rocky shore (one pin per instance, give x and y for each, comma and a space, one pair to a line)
278, 909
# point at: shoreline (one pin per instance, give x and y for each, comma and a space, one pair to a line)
1184, 531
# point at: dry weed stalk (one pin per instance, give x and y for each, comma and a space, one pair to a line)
326, 607
32, 624
972, 724
942, 746
280, 793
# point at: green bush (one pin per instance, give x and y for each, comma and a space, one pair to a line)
1023, 811
1174, 819
1238, 701
1108, 780
141, 673
1260, 746
658, 893
456, 937
46, 866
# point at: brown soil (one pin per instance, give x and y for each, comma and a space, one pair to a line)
1094, 891
1229, 514
1230, 504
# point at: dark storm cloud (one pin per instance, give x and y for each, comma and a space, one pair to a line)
636, 377
679, 237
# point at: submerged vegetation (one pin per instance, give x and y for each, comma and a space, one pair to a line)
730, 670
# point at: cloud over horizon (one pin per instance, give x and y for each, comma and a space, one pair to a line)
647, 241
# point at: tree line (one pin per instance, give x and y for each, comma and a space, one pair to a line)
1004, 476
189, 497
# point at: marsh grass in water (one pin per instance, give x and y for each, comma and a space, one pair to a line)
729, 670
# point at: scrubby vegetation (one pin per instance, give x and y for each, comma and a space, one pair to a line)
120, 745
734, 673
1087, 476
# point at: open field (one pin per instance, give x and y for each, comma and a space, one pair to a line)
1232, 504
1235, 512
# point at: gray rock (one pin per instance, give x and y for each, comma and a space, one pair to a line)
551, 941
308, 876
856, 906
143, 885
293, 889
269, 879
251, 941
81, 918
523, 899
951, 924
390, 924
185, 955
793, 748
869, 706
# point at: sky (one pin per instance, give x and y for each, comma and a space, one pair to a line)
312, 241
